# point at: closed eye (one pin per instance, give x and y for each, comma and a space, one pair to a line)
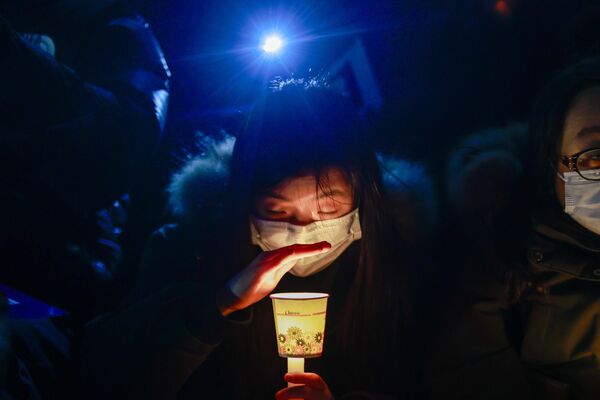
275, 212
328, 212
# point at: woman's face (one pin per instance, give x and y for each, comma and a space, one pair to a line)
581, 130
300, 200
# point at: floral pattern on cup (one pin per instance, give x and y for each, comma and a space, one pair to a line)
297, 343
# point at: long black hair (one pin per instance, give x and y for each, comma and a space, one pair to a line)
302, 129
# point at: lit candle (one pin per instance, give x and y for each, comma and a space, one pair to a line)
299, 326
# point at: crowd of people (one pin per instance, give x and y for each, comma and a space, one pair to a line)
488, 288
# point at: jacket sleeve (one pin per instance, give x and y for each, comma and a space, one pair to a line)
83, 129
151, 347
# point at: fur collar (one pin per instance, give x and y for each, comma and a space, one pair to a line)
201, 183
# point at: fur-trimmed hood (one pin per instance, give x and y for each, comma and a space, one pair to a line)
201, 183
485, 169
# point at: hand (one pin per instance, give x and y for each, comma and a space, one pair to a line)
312, 387
263, 274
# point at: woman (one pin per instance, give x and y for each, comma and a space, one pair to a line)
561, 342
533, 314
304, 209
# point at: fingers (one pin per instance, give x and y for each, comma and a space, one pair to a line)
294, 392
296, 252
307, 378
312, 248
303, 392
313, 387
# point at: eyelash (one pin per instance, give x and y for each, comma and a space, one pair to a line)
275, 212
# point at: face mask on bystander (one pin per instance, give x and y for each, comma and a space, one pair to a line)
582, 200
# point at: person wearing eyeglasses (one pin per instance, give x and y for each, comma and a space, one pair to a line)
524, 320
561, 340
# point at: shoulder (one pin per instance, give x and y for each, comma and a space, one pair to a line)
169, 257
178, 240
166, 244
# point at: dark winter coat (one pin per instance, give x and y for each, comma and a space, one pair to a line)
171, 340
82, 107
527, 324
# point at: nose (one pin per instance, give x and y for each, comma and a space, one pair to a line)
301, 218
300, 222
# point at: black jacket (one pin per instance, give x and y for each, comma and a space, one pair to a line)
528, 322
82, 107
171, 340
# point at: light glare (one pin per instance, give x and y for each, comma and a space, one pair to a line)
272, 44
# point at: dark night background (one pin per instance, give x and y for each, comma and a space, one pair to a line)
444, 68
423, 73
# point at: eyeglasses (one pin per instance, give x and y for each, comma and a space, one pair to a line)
586, 163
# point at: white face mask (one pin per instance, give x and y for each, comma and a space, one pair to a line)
339, 232
582, 200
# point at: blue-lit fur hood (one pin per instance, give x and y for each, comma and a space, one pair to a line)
201, 183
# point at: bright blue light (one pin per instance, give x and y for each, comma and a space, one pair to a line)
272, 44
